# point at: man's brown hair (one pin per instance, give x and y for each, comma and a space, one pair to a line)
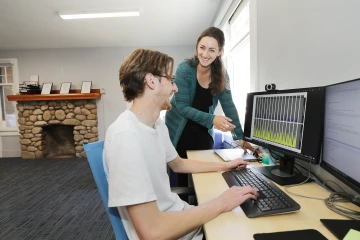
140, 62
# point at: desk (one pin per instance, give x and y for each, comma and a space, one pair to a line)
235, 223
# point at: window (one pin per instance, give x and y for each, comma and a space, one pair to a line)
8, 86
237, 55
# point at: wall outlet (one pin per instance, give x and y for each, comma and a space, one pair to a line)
102, 90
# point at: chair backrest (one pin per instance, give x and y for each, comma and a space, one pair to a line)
94, 155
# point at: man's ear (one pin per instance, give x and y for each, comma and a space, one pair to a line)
149, 80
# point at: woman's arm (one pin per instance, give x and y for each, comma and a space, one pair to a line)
230, 110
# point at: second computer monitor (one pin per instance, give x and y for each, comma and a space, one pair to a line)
341, 148
289, 122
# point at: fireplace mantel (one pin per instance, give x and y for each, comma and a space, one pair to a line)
75, 94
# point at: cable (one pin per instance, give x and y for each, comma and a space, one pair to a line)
297, 169
273, 157
324, 183
357, 199
334, 197
272, 152
299, 195
329, 189
313, 174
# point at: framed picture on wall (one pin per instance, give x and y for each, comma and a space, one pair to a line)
65, 87
86, 87
46, 88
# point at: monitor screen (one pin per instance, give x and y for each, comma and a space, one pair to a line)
289, 122
341, 148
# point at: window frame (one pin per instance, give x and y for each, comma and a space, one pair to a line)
15, 84
234, 42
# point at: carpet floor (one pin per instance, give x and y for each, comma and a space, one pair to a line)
50, 199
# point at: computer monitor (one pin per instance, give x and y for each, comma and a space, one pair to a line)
341, 147
289, 122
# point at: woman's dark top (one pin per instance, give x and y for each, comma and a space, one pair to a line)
196, 136
202, 101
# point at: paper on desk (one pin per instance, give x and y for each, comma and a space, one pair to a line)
352, 235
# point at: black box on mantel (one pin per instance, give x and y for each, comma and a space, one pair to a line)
29, 88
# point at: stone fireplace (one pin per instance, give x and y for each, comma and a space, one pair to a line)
56, 128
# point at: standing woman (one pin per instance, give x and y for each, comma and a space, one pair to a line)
202, 82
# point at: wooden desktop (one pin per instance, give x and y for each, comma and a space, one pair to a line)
235, 224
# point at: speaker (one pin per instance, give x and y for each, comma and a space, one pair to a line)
270, 87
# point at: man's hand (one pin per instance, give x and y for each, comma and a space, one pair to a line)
235, 196
236, 164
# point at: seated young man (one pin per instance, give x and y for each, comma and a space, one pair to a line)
137, 150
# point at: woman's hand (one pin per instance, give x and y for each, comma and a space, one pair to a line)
245, 145
223, 123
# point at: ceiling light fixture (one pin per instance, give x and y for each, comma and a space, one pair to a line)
98, 14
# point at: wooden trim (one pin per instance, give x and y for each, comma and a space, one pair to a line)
74, 94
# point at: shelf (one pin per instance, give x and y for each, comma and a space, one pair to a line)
75, 94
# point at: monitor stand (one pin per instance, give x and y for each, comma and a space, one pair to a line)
284, 173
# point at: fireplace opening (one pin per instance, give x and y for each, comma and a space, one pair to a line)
59, 141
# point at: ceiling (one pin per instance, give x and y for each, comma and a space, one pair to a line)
26, 24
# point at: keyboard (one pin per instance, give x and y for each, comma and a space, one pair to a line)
271, 200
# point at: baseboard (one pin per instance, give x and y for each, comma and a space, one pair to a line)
11, 153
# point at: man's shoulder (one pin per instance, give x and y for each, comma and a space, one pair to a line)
124, 122
160, 124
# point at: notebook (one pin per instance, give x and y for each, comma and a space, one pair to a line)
233, 153
340, 227
293, 235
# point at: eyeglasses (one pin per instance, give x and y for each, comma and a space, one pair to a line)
171, 79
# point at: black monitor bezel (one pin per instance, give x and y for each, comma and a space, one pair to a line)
300, 156
352, 183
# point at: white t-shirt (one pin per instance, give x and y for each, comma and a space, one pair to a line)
135, 161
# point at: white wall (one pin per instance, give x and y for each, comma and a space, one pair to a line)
99, 65
307, 43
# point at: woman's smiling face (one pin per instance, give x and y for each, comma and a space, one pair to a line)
207, 50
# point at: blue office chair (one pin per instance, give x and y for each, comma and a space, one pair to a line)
94, 155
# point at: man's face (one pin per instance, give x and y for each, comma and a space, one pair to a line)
167, 89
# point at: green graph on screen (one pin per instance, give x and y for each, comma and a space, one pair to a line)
280, 119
